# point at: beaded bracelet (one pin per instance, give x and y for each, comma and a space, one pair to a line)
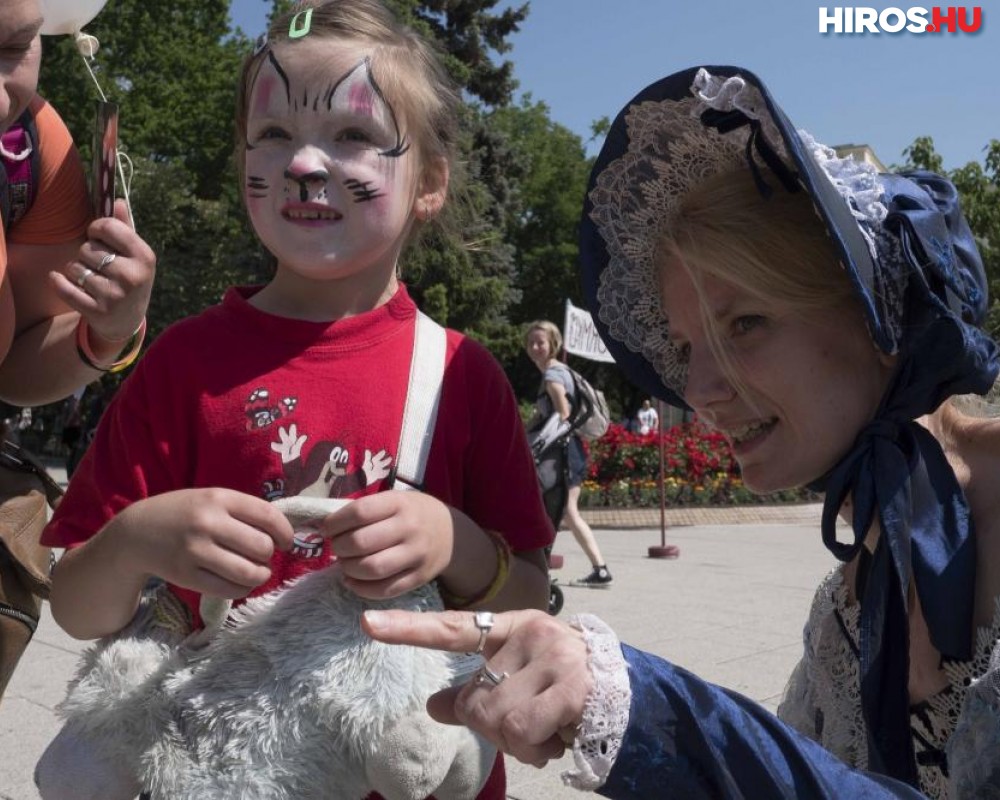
127, 355
494, 586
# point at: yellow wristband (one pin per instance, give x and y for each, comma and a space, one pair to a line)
494, 587
127, 355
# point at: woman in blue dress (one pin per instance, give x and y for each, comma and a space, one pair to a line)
827, 320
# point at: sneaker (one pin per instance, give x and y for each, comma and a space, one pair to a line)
599, 578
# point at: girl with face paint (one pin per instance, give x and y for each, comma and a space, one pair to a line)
346, 130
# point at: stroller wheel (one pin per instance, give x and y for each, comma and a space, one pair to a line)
555, 598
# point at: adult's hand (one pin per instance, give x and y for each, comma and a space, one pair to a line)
110, 280
536, 709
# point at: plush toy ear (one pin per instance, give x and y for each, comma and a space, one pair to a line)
474, 759
73, 767
412, 758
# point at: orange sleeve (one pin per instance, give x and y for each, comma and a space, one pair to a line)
61, 210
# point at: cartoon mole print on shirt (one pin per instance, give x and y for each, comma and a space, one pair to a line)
328, 469
324, 468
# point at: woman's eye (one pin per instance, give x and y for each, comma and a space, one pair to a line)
15, 49
747, 323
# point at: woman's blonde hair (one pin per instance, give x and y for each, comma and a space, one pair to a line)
774, 248
404, 65
551, 331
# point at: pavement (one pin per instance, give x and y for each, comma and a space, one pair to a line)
731, 609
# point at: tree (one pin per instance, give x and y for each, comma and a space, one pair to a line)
171, 65
979, 188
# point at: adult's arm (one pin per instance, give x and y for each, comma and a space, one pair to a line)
687, 738
683, 738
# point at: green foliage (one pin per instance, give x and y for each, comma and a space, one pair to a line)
468, 33
979, 188
171, 66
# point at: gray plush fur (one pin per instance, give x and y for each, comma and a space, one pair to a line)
288, 699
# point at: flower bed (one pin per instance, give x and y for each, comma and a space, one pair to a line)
699, 469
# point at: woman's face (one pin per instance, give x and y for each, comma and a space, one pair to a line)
810, 381
538, 347
20, 57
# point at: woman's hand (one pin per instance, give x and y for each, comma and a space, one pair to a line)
392, 542
110, 281
533, 712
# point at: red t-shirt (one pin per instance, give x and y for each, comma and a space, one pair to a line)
271, 406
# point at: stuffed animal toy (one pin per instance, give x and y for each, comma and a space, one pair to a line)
283, 697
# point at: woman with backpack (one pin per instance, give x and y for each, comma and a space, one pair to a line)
557, 396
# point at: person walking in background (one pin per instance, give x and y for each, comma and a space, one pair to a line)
543, 343
649, 420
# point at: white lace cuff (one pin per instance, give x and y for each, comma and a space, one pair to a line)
605, 714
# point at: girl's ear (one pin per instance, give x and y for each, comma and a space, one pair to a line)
433, 190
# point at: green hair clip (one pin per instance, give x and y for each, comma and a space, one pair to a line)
296, 29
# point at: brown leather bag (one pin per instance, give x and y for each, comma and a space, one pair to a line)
26, 492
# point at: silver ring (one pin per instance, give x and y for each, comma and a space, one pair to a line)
485, 675
107, 259
87, 272
483, 620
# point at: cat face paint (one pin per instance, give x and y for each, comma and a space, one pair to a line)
331, 177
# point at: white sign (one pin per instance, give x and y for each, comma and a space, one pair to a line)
581, 337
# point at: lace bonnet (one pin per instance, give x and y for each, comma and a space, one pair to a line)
694, 124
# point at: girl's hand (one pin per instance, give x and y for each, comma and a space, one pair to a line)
214, 541
391, 542
114, 296
536, 709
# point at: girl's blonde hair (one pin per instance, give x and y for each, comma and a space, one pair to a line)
405, 66
773, 248
551, 331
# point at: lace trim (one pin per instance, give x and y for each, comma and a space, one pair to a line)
636, 196
823, 698
606, 712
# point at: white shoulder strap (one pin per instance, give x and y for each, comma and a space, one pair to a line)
423, 394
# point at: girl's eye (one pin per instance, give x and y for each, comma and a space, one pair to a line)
273, 132
353, 135
747, 323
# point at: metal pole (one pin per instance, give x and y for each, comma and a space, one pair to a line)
662, 551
